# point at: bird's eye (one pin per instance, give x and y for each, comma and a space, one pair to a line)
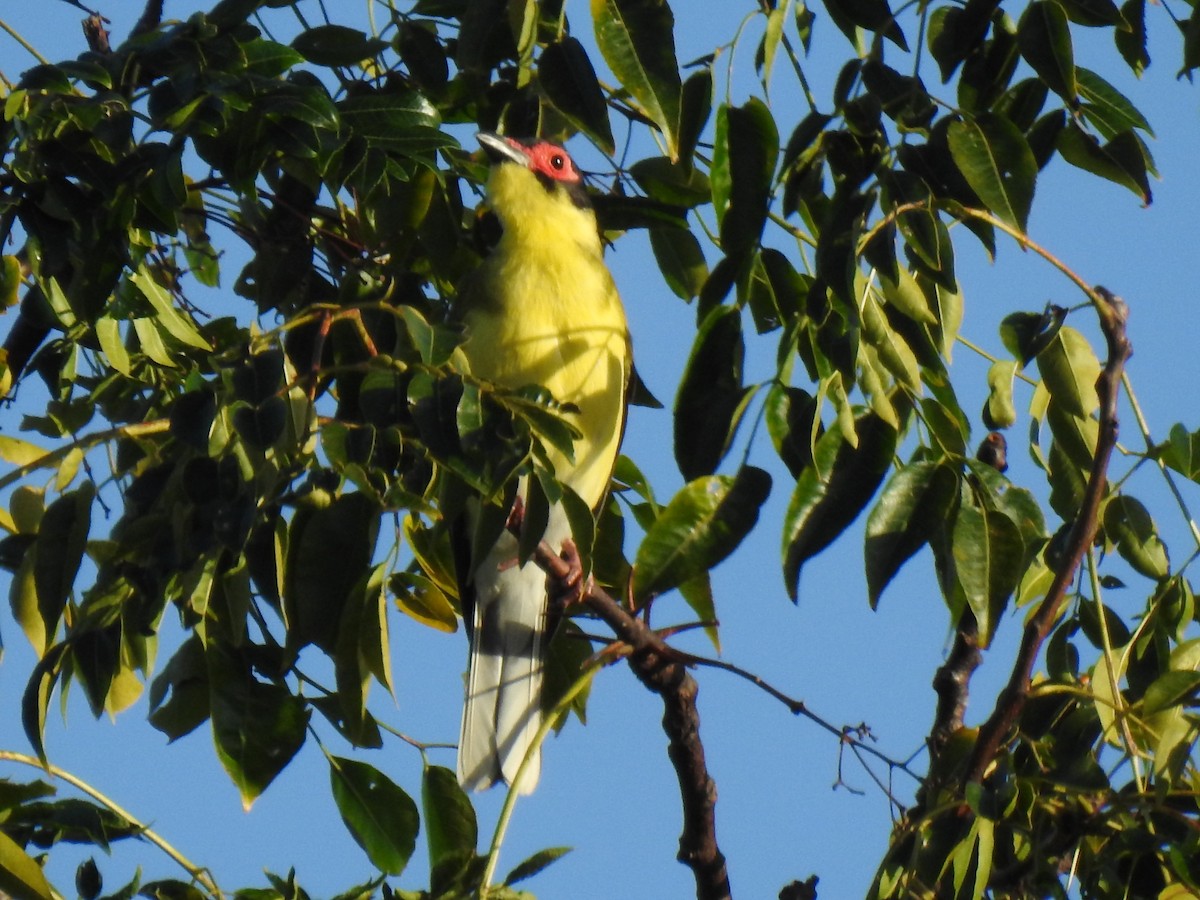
558, 161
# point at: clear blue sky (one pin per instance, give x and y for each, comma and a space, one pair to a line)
608, 789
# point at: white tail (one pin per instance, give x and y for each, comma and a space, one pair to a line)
503, 708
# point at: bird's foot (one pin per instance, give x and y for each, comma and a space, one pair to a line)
569, 587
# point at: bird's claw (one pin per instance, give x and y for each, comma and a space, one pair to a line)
570, 587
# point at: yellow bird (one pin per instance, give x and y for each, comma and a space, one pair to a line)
543, 310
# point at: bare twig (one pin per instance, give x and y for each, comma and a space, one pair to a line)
664, 671
1113, 315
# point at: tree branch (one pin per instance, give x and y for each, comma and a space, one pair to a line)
1113, 315
664, 671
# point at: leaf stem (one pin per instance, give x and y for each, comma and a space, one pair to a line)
510, 800
198, 873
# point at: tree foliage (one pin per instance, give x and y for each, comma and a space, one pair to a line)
241, 440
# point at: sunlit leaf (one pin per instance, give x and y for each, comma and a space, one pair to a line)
637, 40
20, 876
702, 525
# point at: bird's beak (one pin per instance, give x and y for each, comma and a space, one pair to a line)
501, 149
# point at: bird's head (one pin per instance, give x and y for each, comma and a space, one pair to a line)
534, 186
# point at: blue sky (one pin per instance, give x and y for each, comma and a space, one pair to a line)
608, 789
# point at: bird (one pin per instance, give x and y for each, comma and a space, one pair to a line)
541, 309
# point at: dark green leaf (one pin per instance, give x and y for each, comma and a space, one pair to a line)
1128, 524
1122, 160
336, 45
1107, 108
257, 726
701, 526
535, 864
915, 502
831, 493
1044, 37
1170, 689
873, 15
450, 826
695, 108
680, 260
994, 157
744, 159
179, 693
637, 40
58, 551
671, 182
1025, 335
566, 75
314, 589
791, 415
988, 556
711, 396
381, 817
1131, 40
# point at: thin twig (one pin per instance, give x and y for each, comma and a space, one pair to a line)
199, 873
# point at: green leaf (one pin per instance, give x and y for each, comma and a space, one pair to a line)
1106, 107
257, 726
1025, 334
744, 157
108, 333
175, 322
381, 817
988, 554
1131, 40
1182, 452
793, 424
315, 588
18, 452
1170, 689
999, 411
20, 876
534, 864
10, 281
995, 158
566, 75
336, 45
697, 592
776, 19
422, 599
915, 502
637, 40
831, 493
58, 551
671, 182
1069, 369
701, 526
711, 397
1044, 37
1122, 160
695, 108
1128, 524
450, 826
873, 15
680, 260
